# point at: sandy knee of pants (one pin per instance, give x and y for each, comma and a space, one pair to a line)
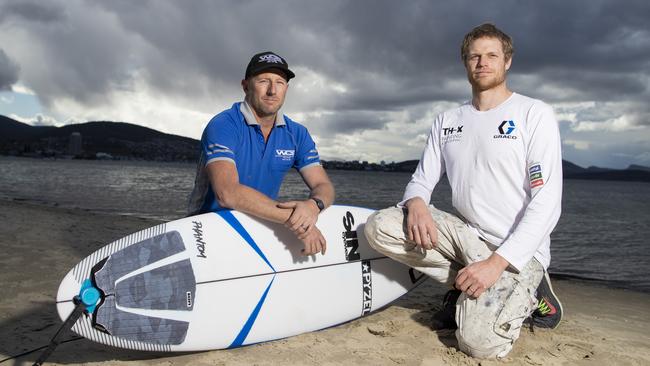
476, 319
481, 351
489, 326
385, 233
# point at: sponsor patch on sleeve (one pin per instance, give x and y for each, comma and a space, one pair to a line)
535, 175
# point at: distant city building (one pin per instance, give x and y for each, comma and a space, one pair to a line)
103, 156
75, 144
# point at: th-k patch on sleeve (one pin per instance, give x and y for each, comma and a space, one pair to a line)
535, 175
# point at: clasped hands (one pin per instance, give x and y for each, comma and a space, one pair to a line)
302, 223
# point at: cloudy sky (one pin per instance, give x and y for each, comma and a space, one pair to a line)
371, 75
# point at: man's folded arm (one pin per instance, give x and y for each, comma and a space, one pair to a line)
229, 193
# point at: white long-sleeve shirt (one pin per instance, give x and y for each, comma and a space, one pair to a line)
505, 170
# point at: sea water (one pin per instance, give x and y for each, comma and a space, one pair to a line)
602, 235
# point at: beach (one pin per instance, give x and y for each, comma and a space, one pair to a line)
41, 243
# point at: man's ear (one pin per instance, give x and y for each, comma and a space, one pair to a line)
508, 63
244, 85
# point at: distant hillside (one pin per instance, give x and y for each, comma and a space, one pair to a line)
128, 141
118, 139
632, 173
407, 165
638, 167
10, 128
568, 168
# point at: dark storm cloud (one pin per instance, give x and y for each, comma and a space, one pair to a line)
347, 122
599, 49
35, 11
388, 55
8, 72
69, 50
556, 85
414, 46
638, 112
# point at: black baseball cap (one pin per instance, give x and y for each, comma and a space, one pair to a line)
267, 60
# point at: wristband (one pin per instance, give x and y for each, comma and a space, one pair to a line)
319, 203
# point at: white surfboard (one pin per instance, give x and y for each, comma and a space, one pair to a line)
226, 279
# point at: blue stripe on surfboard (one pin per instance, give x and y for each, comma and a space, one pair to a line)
232, 220
243, 333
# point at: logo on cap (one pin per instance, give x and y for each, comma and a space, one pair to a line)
271, 59
267, 60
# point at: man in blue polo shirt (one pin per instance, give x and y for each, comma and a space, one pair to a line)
247, 150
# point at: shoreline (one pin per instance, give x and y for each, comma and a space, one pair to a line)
631, 173
601, 325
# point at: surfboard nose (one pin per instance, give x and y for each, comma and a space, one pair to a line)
68, 289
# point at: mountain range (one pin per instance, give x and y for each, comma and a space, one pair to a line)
120, 140
115, 139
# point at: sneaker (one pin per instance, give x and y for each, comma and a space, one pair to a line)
445, 318
549, 309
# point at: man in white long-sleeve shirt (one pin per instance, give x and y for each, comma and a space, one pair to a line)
501, 153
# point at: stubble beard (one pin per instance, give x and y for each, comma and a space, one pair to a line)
484, 84
264, 110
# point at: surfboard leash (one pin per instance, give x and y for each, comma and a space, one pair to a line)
38, 349
86, 302
79, 309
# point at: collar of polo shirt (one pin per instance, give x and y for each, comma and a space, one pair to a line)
249, 116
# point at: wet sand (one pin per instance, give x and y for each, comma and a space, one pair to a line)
40, 244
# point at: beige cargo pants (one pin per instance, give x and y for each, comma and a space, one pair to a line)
487, 326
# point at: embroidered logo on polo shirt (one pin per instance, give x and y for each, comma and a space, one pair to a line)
506, 128
285, 154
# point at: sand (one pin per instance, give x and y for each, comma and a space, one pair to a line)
40, 244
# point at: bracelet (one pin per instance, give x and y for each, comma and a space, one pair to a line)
319, 203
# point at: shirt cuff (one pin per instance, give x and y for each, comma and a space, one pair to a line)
415, 191
515, 259
220, 158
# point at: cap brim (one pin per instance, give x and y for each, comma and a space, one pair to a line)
288, 74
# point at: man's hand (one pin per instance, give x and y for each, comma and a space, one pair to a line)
303, 224
304, 215
420, 226
480, 276
313, 241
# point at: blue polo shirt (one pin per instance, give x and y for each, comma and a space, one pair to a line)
234, 135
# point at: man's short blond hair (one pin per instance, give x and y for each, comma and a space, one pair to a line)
486, 30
